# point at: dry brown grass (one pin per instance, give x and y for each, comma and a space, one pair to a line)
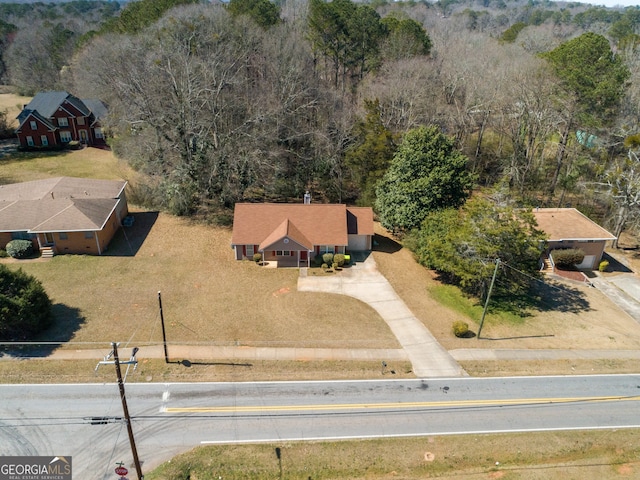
601, 325
523, 456
210, 298
207, 296
13, 104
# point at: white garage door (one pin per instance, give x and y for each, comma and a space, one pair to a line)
357, 243
588, 261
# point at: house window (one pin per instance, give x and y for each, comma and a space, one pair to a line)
65, 136
21, 236
326, 248
98, 132
80, 120
34, 125
250, 251
63, 236
44, 140
63, 122
30, 141
88, 234
283, 253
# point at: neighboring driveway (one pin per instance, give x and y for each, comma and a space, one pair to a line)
623, 290
364, 282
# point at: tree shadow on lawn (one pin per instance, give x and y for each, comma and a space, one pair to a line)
548, 296
66, 322
128, 240
385, 244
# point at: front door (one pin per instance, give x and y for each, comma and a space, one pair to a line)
84, 138
48, 239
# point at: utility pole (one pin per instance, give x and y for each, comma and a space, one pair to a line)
164, 333
127, 418
486, 303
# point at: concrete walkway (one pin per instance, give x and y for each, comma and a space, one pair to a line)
226, 354
364, 282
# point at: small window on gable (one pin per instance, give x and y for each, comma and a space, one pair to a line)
34, 125
63, 122
80, 120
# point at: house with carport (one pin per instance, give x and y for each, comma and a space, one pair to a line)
293, 234
63, 214
568, 228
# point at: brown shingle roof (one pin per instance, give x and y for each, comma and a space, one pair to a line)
61, 204
359, 221
318, 224
569, 224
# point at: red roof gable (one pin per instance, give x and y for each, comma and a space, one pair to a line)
316, 224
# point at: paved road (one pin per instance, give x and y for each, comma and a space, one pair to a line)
171, 418
364, 282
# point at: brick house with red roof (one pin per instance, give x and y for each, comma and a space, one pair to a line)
568, 228
293, 234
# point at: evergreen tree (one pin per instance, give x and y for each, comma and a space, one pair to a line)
25, 308
427, 173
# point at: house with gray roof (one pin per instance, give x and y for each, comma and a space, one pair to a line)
63, 214
54, 119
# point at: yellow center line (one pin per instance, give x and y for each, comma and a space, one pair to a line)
393, 405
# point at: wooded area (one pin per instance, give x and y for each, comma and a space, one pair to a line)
260, 101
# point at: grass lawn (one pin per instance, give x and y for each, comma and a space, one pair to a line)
526, 456
208, 298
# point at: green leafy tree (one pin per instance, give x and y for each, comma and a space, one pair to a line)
263, 12
427, 173
140, 14
511, 34
25, 308
463, 245
405, 38
346, 34
592, 83
370, 155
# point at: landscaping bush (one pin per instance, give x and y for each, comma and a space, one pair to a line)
325, 266
327, 258
568, 257
603, 266
19, 248
25, 308
318, 260
3, 254
460, 329
339, 259
334, 265
257, 257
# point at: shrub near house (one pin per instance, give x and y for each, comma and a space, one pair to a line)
25, 308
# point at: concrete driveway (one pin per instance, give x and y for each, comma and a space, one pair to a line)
623, 290
364, 282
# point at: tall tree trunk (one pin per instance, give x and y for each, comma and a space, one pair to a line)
560, 156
